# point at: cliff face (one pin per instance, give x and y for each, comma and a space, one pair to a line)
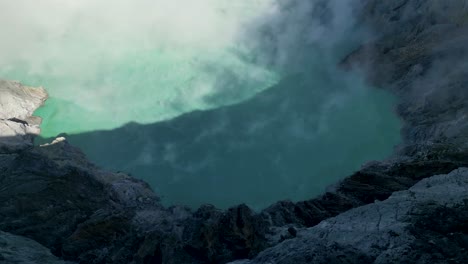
17, 249
424, 224
17, 125
420, 55
53, 195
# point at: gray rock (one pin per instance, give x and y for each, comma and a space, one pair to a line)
17, 125
387, 231
420, 53
53, 195
18, 101
21, 250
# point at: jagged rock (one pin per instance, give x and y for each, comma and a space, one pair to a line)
420, 54
425, 224
21, 250
218, 237
47, 191
17, 125
53, 195
18, 101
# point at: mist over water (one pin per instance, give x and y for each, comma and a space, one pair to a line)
114, 62
278, 119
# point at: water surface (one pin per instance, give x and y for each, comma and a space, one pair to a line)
219, 102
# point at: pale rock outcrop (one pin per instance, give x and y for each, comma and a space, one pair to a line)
17, 125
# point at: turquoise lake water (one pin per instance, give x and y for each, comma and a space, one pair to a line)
194, 108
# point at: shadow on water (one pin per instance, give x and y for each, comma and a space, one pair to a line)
288, 142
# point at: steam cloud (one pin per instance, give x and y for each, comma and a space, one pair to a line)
162, 58
107, 63
93, 56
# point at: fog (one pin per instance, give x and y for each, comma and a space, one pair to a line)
143, 60
209, 101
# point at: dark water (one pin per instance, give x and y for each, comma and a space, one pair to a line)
219, 102
288, 142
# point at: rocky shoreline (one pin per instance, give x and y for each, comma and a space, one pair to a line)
411, 207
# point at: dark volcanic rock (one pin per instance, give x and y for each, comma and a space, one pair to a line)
376, 181
420, 54
21, 250
53, 195
425, 224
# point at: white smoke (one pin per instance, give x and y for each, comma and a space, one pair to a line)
110, 62
177, 53
294, 34
27, 26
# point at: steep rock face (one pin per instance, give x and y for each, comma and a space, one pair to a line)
53, 195
17, 126
21, 250
425, 224
420, 54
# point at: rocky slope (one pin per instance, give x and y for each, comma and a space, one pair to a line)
17, 125
425, 224
21, 250
53, 195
